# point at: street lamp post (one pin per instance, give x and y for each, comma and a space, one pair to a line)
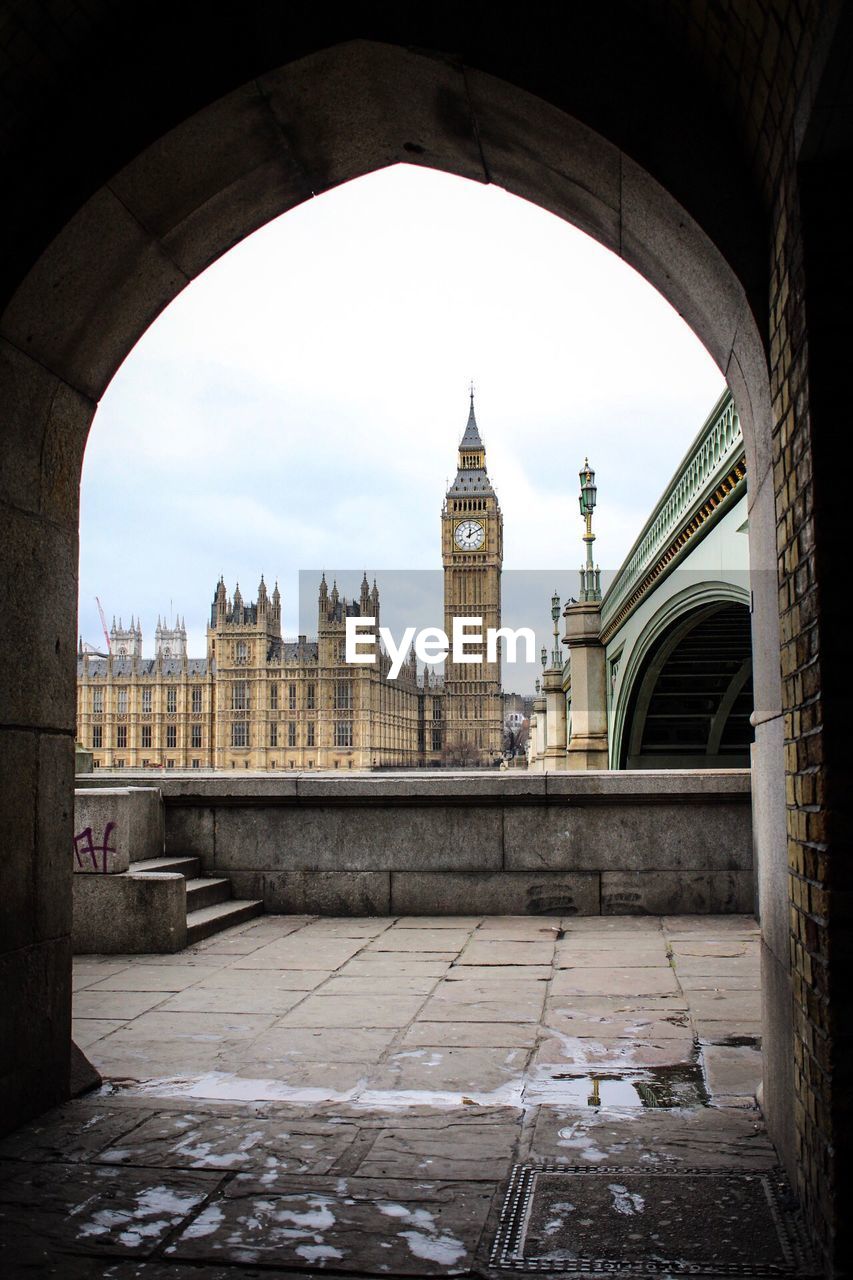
590, 573
556, 656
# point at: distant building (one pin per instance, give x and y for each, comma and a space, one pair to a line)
257, 701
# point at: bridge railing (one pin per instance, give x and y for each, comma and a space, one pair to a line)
690, 496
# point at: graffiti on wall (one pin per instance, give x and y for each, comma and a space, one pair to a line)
86, 850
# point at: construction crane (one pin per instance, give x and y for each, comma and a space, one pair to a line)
104, 626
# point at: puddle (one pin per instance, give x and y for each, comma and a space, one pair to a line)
671, 1086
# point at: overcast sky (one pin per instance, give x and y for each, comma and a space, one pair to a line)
300, 405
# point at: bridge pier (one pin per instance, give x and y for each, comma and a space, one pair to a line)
587, 745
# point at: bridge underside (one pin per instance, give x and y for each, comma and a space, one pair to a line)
693, 699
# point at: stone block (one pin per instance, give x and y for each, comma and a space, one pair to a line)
337, 837
250, 176
360, 106
663, 243
129, 914
37, 685
323, 893
494, 893
189, 832
18, 798
588, 837
665, 892
777, 1044
53, 868
35, 1030
538, 152
116, 826
107, 279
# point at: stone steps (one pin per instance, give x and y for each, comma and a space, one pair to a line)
210, 906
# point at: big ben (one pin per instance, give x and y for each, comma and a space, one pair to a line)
472, 555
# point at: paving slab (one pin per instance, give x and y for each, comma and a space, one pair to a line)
634, 982
573, 957
299, 953
512, 1008
153, 977
421, 941
725, 1006
353, 1011
100, 1209
121, 1005
233, 999
705, 1137
445, 1148
379, 962
74, 1132
194, 1140
647, 1024
499, 973
734, 946
716, 982
320, 1044
612, 1053
438, 922
88, 1031
609, 1005
734, 1072
347, 927
249, 980
507, 952
470, 1035
378, 984
317, 1080
351, 1224
451, 1070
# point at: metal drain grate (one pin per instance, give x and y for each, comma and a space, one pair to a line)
717, 1222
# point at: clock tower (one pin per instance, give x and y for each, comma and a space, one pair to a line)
472, 554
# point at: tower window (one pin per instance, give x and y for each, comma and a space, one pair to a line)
146, 735
291, 697
273, 697
240, 734
242, 653
291, 733
171, 701
146, 702
240, 696
171, 735
97, 701
197, 700
122, 702
97, 737
196, 735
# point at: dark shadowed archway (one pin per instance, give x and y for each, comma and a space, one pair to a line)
188, 130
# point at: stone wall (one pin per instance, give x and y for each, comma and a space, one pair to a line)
443, 843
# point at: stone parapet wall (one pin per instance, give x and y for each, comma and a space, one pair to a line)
450, 843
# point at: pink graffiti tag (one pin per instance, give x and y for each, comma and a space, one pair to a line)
84, 846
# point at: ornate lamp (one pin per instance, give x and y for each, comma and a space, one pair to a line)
555, 616
590, 573
544, 656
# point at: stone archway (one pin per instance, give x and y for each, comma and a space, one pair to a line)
159, 221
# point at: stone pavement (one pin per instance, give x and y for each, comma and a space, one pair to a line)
304, 1094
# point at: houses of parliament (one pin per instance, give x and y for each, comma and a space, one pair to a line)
258, 701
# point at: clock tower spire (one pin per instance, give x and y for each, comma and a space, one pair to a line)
472, 555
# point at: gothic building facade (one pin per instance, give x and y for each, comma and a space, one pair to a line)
262, 702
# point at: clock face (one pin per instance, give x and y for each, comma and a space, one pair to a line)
469, 535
